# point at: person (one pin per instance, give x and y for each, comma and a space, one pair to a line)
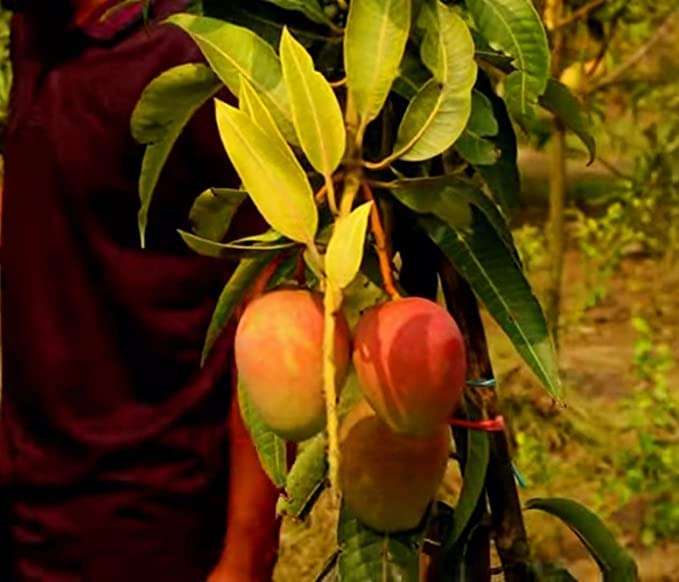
122, 458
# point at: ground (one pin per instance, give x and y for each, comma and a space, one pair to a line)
566, 452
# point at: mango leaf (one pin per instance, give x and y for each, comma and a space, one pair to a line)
502, 178
616, 564
438, 113
370, 555
478, 453
250, 103
241, 280
452, 199
514, 27
306, 479
472, 145
561, 102
271, 174
316, 112
412, 76
345, 250
240, 248
165, 107
374, 42
233, 51
213, 210
310, 8
271, 449
468, 233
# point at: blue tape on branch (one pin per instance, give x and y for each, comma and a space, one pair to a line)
490, 383
520, 479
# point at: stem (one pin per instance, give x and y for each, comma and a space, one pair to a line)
332, 200
506, 517
330, 304
381, 243
557, 234
354, 173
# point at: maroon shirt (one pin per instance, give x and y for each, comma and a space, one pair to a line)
112, 438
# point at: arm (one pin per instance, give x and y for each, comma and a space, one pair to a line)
251, 543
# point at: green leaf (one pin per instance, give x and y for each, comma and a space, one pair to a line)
306, 480
240, 248
374, 42
310, 8
473, 237
412, 76
165, 107
438, 113
234, 51
271, 449
345, 249
561, 102
472, 146
478, 454
615, 562
243, 277
369, 555
514, 27
271, 174
502, 177
316, 112
452, 200
213, 210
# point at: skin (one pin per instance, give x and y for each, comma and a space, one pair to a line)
251, 542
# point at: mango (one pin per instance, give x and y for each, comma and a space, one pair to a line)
410, 360
388, 480
279, 358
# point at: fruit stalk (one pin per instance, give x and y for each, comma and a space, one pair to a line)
329, 388
381, 244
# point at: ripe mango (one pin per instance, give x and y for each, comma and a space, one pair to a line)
387, 479
410, 360
279, 357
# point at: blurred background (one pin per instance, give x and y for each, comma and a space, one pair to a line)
601, 244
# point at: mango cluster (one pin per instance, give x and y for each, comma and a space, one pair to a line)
410, 360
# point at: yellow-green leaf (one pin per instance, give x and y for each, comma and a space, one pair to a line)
439, 112
251, 103
234, 52
316, 113
374, 43
345, 249
271, 174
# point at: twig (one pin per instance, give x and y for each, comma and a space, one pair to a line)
381, 243
580, 13
339, 83
322, 192
589, 72
633, 59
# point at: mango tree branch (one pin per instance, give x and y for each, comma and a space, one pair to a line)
580, 13
506, 517
381, 244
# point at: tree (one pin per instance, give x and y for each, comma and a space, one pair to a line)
393, 104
